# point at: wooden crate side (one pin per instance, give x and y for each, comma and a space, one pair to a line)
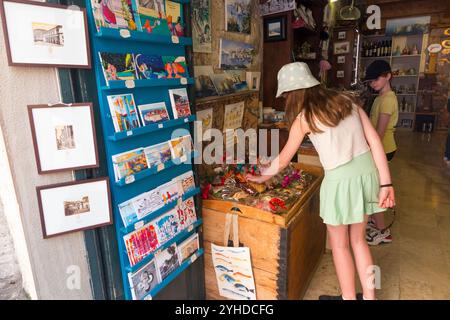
265, 282
262, 238
282, 281
306, 248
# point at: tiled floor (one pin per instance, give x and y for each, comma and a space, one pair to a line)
416, 265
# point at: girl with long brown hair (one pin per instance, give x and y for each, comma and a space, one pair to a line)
357, 181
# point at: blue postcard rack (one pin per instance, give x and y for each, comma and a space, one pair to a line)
144, 91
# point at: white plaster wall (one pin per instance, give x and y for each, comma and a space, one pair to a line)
46, 265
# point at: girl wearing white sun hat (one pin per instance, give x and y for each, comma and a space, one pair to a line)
353, 158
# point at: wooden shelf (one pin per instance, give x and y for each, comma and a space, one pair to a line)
225, 96
407, 56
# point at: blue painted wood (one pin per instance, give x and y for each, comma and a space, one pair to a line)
144, 92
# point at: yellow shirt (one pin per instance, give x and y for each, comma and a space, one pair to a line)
386, 103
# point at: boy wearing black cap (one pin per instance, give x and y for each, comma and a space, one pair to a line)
384, 117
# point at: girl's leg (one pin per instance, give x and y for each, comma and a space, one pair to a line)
343, 262
363, 258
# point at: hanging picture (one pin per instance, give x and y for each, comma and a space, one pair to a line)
201, 25
235, 54
43, 34
408, 26
233, 116
275, 29
341, 47
206, 117
238, 14
179, 100
275, 6
253, 79
340, 74
74, 206
342, 35
63, 137
341, 59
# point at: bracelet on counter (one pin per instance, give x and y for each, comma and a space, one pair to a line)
386, 185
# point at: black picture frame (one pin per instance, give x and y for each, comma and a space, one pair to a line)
274, 22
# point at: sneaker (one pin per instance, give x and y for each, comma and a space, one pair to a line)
370, 227
377, 237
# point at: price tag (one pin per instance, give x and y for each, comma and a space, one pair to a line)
193, 258
160, 167
186, 120
129, 133
129, 179
190, 228
175, 39
183, 81
125, 33
160, 125
183, 158
148, 297
138, 225
130, 84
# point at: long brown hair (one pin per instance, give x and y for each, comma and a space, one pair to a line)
319, 105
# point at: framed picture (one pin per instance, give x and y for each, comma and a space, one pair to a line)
342, 35
275, 29
44, 34
408, 26
253, 80
63, 137
341, 59
230, 49
340, 74
341, 47
238, 16
74, 206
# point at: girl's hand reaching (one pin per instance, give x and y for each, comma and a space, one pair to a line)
386, 197
257, 179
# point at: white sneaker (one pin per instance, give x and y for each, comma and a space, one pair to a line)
378, 237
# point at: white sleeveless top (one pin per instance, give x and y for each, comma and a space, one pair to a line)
339, 145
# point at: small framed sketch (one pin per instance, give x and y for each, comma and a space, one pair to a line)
341, 47
44, 34
253, 79
74, 206
275, 29
342, 35
63, 137
341, 59
340, 74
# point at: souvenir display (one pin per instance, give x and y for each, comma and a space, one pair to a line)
123, 112
144, 280
179, 100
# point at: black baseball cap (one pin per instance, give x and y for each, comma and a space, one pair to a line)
376, 69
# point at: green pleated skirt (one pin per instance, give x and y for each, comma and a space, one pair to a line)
350, 191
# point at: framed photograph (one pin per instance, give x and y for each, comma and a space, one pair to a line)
275, 29
341, 47
44, 34
63, 137
342, 35
340, 74
74, 206
341, 59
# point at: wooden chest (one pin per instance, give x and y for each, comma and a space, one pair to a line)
285, 249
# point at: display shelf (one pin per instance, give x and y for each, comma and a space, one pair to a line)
118, 136
405, 76
153, 170
406, 56
145, 83
158, 212
375, 58
184, 265
406, 113
180, 236
141, 36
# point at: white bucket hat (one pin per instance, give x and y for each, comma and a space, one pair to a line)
293, 76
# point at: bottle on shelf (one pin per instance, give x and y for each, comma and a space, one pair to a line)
430, 127
403, 104
389, 47
415, 51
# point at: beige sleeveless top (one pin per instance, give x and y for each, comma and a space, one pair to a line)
339, 145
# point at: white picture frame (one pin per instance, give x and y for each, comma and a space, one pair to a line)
64, 137
341, 59
342, 35
341, 47
45, 34
340, 74
74, 206
253, 79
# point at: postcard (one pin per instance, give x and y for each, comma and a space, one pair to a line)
169, 191
188, 247
223, 83
147, 203
117, 66
141, 243
233, 116
167, 226
157, 154
179, 100
181, 147
150, 16
149, 66
186, 182
144, 280
186, 213
130, 162
174, 19
167, 261
175, 67
153, 112
206, 117
128, 213
123, 112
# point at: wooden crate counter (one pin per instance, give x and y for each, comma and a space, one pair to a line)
285, 249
